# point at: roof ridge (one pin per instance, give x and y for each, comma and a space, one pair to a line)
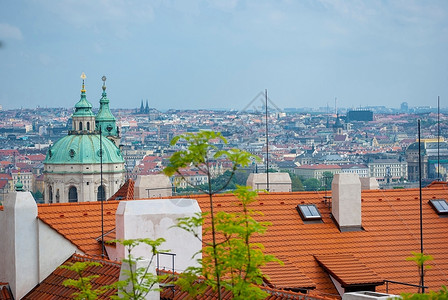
92, 258
74, 203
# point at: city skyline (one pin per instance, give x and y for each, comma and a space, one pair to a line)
221, 54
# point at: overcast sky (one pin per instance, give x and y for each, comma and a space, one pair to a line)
222, 53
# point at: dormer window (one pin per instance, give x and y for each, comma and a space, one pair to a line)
440, 206
309, 212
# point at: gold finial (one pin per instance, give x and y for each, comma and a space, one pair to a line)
83, 77
104, 82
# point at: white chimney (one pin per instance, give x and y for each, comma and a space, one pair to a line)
157, 219
152, 186
19, 243
346, 201
369, 183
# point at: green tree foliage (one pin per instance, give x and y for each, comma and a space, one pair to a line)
312, 184
199, 153
327, 179
420, 259
83, 283
442, 294
239, 260
296, 182
239, 177
139, 280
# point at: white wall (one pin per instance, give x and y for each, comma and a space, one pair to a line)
278, 182
152, 186
54, 249
154, 219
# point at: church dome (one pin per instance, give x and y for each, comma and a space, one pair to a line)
83, 149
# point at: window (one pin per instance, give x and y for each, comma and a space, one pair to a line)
101, 196
80, 125
308, 212
440, 206
72, 194
50, 194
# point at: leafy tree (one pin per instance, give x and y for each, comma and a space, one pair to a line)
239, 259
442, 294
420, 259
296, 182
139, 280
327, 179
312, 184
83, 283
199, 153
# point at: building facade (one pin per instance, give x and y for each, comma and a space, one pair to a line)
434, 159
388, 170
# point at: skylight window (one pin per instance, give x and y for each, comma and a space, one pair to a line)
440, 206
308, 212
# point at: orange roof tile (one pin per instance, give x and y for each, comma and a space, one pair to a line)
80, 223
126, 191
175, 292
286, 276
348, 270
5, 292
52, 287
390, 219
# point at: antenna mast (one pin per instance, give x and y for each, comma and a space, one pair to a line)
103, 192
422, 282
438, 138
335, 105
101, 189
267, 142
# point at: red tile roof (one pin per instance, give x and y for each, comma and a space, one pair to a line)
52, 287
126, 192
348, 270
36, 157
319, 167
390, 219
5, 292
209, 294
80, 223
286, 276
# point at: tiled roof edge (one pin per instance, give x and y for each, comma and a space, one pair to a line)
82, 257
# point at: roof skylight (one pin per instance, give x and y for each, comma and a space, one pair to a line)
308, 212
440, 206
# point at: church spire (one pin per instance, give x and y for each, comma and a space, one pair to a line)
83, 118
147, 107
105, 119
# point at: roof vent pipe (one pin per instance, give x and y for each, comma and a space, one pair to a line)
346, 203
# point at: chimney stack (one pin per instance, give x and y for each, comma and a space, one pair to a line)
19, 249
346, 201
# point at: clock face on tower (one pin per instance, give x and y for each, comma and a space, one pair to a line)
109, 128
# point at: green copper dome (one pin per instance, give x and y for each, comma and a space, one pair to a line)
83, 149
83, 108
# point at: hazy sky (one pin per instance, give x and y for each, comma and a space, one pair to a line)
222, 53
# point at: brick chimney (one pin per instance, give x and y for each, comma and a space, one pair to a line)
346, 201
